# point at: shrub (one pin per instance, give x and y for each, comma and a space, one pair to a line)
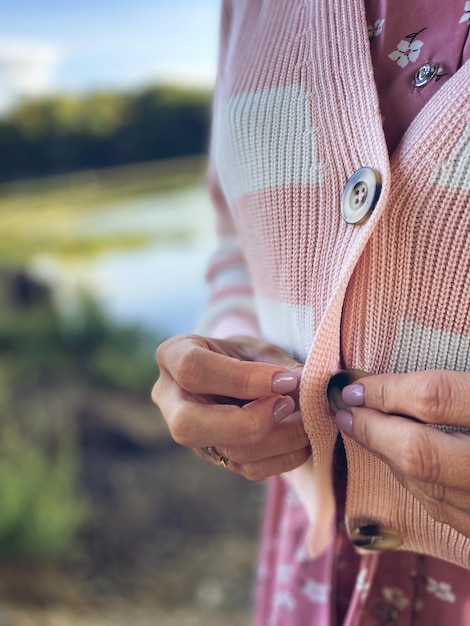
41, 508
46, 363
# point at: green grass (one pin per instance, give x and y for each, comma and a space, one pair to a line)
42, 509
45, 214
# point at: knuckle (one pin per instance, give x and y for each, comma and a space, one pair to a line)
249, 425
256, 472
419, 458
432, 396
253, 473
230, 452
294, 459
156, 390
237, 454
434, 500
243, 382
254, 428
159, 353
300, 439
271, 352
178, 425
163, 350
179, 356
384, 396
436, 494
186, 369
363, 431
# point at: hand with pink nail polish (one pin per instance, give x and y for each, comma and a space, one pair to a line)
419, 424
233, 400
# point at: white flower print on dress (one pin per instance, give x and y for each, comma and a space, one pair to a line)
362, 585
406, 51
418, 605
285, 600
442, 591
375, 29
396, 597
292, 498
284, 572
301, 555
316, 592
466, 16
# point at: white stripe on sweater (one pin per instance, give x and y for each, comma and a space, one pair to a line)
455, 171
420, 347
290, 326
265, 140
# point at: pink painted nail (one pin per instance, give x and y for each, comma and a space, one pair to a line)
284, 382
344, 421
353, 395
283, 408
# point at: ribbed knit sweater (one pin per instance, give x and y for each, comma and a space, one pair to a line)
296, 114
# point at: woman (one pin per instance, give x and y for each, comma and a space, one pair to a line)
340, 169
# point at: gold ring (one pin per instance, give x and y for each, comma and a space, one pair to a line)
215, 456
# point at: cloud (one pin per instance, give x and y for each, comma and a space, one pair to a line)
28, 68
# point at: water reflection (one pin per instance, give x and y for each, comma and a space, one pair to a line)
160, 287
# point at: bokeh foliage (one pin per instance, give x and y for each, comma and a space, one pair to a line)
68, 133
47, 365
57, 372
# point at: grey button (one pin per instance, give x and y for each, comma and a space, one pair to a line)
376, 537
425, 74
360, 195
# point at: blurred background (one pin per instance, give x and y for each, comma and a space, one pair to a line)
105, 231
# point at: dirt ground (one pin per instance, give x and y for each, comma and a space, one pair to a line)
171, 541
136, 617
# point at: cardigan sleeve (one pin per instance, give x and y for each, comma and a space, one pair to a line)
230, 308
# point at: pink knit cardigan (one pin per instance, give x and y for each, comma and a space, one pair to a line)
296, 114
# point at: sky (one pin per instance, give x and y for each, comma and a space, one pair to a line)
50, 46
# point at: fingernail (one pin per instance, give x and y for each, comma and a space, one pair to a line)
344, 421
353, 395
283, 382
283, 408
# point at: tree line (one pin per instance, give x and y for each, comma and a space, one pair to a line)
67, 133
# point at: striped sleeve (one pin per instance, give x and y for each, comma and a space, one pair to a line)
230, 309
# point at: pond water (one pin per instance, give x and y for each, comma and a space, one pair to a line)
159, 286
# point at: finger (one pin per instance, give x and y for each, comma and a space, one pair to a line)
434, 396
258, 350
264, 352
414, 450
272, 466
286, 437
198, 369
438, 498
447, 506
195, 423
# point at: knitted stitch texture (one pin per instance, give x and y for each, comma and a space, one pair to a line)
296, 113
